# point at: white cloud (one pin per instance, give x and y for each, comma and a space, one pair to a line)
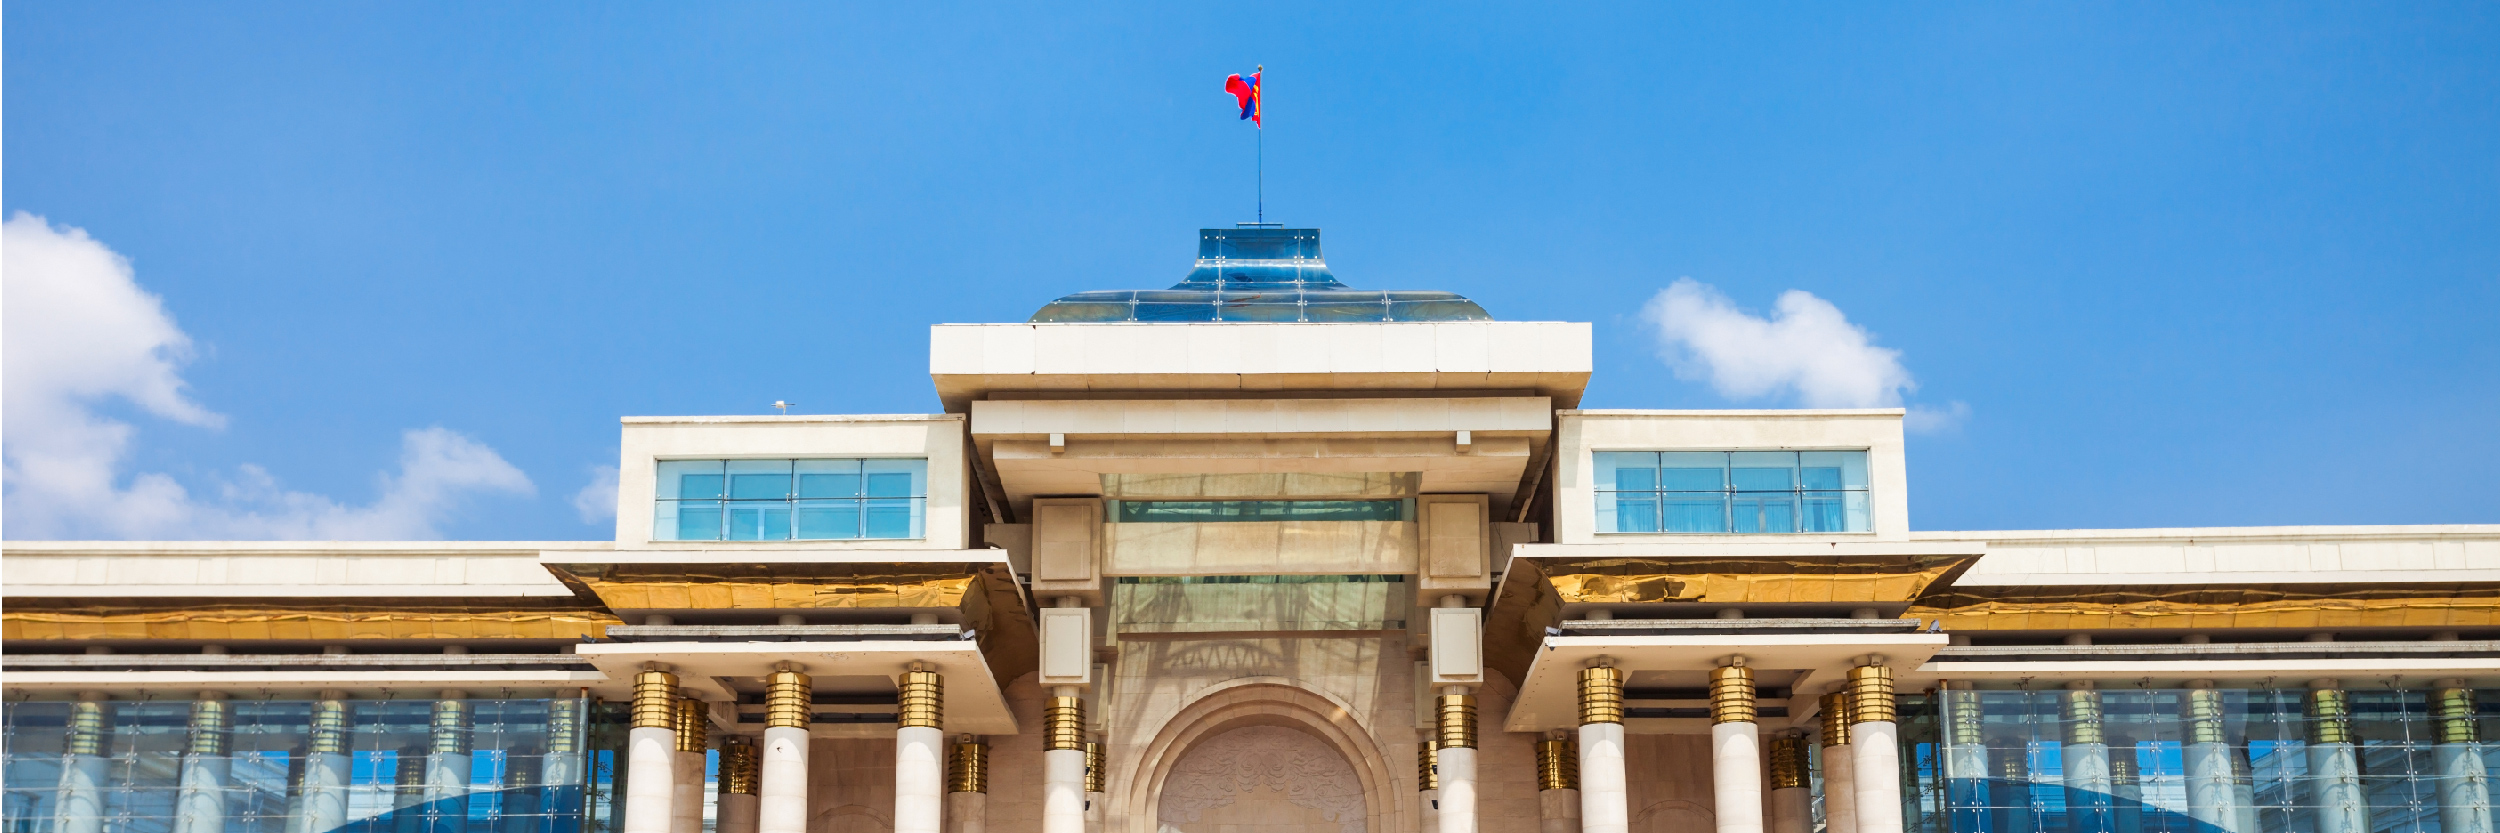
597, 500
1926, 420
1806, 348
77, 332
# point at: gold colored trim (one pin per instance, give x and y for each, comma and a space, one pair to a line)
1601, 695
450, 728
789, 700
1788, 762
2452, 714
923, 700
1094, 775
2330, 716
694, 725
1870, 694
564, 725
1557, 764
86, 728
655, 700
1836, 719
1428, 764
330, 728
1063, 724
322, 622
1458, 721
2083, 717
2204, 716
2212, 608
1963, 719
773, 586
967, 771
741, 766
210, 720
1731, 694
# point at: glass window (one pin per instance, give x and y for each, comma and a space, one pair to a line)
1732, 491
791, 500
1222, 511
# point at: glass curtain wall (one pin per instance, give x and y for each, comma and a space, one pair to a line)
2220, 760
312, 766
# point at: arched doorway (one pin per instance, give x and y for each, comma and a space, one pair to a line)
1276, 778
1266, 750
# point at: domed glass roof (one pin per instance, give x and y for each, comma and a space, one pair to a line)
1260, 274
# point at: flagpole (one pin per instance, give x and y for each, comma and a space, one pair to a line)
1262, 130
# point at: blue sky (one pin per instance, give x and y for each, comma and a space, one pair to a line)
2180, 264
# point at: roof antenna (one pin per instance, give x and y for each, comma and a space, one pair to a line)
783, 406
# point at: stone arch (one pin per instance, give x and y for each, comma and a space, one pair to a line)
1264, 701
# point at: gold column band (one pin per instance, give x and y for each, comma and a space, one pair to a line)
1093, 766
655, 700
564, 725
209, 721
1962, 717
2330, 716
1428, 765
1788, 761
1063, 724
2083, 717
1870, 694
86, 729
967, 770
789, 700
1557, 764
449, 733
2204, 716
923, 700
694, 725
1458, 721
1731, 694
1836, 719
741, 766
2453, 711
1601, 695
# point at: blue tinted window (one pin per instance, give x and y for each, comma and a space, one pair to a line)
1731, 491
791, 500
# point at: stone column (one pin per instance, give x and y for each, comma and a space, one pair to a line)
2085, 759
1604, 801
2334, 761
447, 763
1965, 761
651, 753
920, 752
1457, 727
84, 765
2464, 786
1558, 784
1792, 802
685, 802
968, 787
1875, 742
200, 807
1094, 778
789, 705
1735, 749
1840, 764
740, 769
1063, 761
1428, 784
2207, 754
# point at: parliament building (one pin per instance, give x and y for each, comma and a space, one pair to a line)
1262, 553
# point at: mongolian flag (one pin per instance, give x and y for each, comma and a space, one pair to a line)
1247, 90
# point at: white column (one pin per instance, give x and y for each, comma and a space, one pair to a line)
1558, 811
2206, 755
737, 813
1792, 801
1840, 784
2084, 760
1428, 781
1063, 761
919, 779
694, 729
651, 753
447, 761
83, 767
1875, 743
1458, 790
967, 812
2464, 785
2334, 762
782, 805
1735, 750
1604, 801
200, 806
1792, 810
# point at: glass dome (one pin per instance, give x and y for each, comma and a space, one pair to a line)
1260, 274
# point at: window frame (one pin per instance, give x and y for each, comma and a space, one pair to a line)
796, 503
1657, 498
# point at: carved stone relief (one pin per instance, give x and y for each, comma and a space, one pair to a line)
1222, 781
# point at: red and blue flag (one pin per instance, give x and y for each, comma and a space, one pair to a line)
1247, 90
